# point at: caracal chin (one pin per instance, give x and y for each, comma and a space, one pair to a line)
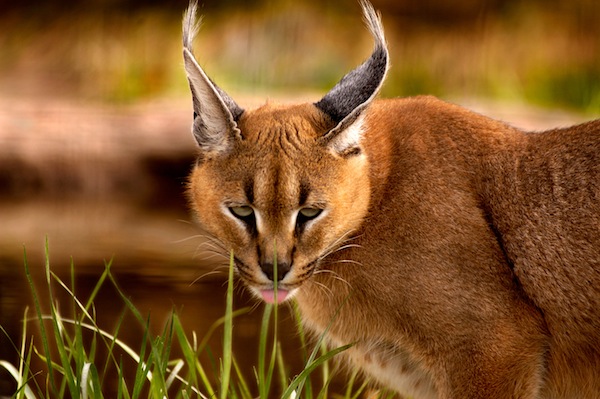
460, 255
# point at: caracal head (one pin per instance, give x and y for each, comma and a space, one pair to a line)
282, 185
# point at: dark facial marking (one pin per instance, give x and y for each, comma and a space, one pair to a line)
249, 190
304, 192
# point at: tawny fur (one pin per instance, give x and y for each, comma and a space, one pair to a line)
461, 255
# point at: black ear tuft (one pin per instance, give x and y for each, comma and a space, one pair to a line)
358, 88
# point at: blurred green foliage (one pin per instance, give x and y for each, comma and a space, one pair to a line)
544, 52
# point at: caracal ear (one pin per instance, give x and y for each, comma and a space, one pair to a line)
215, 113
352, 95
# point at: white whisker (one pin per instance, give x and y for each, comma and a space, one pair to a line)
205, 275
255, 305
210, 255
192, 237
346, 261
212, 245
332, 248
334, 275
325, 288
348, 246
209, 246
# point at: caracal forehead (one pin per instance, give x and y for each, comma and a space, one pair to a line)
282, 147
274, 122
283, 142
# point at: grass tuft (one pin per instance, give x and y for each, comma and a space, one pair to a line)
71, 346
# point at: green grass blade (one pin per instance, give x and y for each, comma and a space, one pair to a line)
112, 342
358, 393
325, 375
159, 369
159, 352
320, 342
43, 332
62, 341
296, 384
350, 384
122, 392
143, 368
22, 388
98, 285
263, 389
303, 344
272, 361
24, 363
85, 313
283, 373
23, 371
78, 351
218, 323
243, 386
265, 376
136, 313
227, 333
324, 390
77, 304
191, 357
96, 385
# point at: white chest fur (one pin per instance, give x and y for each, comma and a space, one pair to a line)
393, 368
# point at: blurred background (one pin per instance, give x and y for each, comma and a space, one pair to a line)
95, 114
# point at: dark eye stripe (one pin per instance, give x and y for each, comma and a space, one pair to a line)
249, 190
304, 217
304, 192
246, 215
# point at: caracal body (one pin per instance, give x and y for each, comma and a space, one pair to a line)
461, 255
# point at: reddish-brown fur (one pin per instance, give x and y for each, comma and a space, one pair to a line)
460, 256
477, 260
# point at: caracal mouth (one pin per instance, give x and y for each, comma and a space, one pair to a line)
273, 296
275, 293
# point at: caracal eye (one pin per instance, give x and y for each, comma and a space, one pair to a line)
310, 213
241, 211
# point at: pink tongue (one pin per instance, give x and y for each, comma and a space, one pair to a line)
269, 296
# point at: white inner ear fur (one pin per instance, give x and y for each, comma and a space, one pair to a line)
349, 137
214, 114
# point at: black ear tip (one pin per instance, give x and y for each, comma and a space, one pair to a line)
331, 109
356, 90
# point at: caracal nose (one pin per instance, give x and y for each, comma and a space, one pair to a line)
282, 269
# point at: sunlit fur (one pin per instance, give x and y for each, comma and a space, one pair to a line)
460, 255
